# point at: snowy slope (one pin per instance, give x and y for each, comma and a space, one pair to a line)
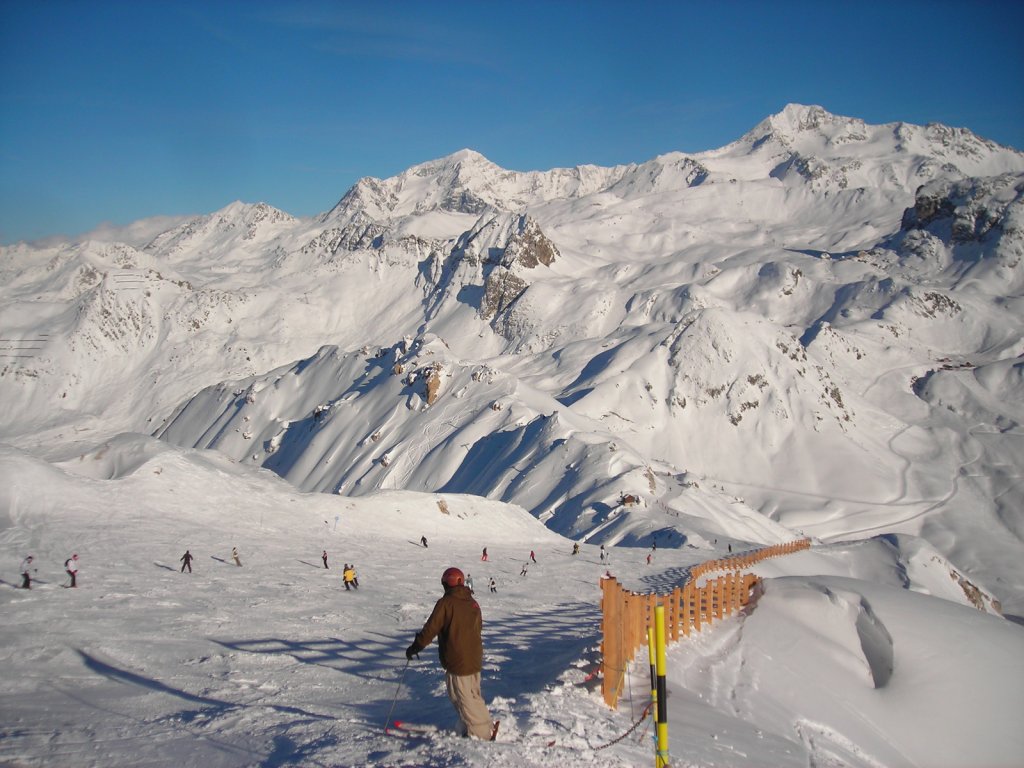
819, 322
815, 330
857, 655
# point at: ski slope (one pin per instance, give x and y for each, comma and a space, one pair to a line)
857, 654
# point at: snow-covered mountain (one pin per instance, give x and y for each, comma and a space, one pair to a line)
816, 328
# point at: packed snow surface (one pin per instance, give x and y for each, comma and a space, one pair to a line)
846, 659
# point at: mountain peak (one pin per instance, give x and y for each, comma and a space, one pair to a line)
465, 155
798, 122
456, 161
247, 221
802, 117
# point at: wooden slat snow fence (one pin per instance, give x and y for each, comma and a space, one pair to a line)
626, 615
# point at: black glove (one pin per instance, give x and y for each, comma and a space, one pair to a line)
412, 650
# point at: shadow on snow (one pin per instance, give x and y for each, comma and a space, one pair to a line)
523, 653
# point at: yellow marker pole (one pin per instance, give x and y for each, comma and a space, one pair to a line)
651, 652
662, 694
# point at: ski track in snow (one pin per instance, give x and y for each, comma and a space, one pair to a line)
273, 664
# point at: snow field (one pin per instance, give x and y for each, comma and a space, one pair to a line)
845, 660
272, 663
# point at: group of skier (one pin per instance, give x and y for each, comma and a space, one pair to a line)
456, 621
29, 569
349, 577
348, 572
188, 557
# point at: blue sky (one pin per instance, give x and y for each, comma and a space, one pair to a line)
112, 112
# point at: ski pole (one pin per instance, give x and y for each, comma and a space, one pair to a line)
395, 700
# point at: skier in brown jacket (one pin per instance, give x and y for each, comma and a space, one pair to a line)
457, 623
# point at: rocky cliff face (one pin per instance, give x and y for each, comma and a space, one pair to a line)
969, 210
525, 248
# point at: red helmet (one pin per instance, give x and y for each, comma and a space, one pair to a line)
453, 577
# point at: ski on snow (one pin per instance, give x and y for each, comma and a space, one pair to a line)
425, 729
403, 728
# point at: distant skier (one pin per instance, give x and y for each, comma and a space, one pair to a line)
456, 622
602, 553
483, 557
469, 581
493, 585
324, 558
234, 556
423, 541
576, 548
26, 572
533, 557
523, 572
348, 575
71, 568
648, 558
186, 561
730, 549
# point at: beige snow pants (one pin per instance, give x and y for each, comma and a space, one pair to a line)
464, 693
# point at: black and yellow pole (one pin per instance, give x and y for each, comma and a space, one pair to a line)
660, 690
652, 653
